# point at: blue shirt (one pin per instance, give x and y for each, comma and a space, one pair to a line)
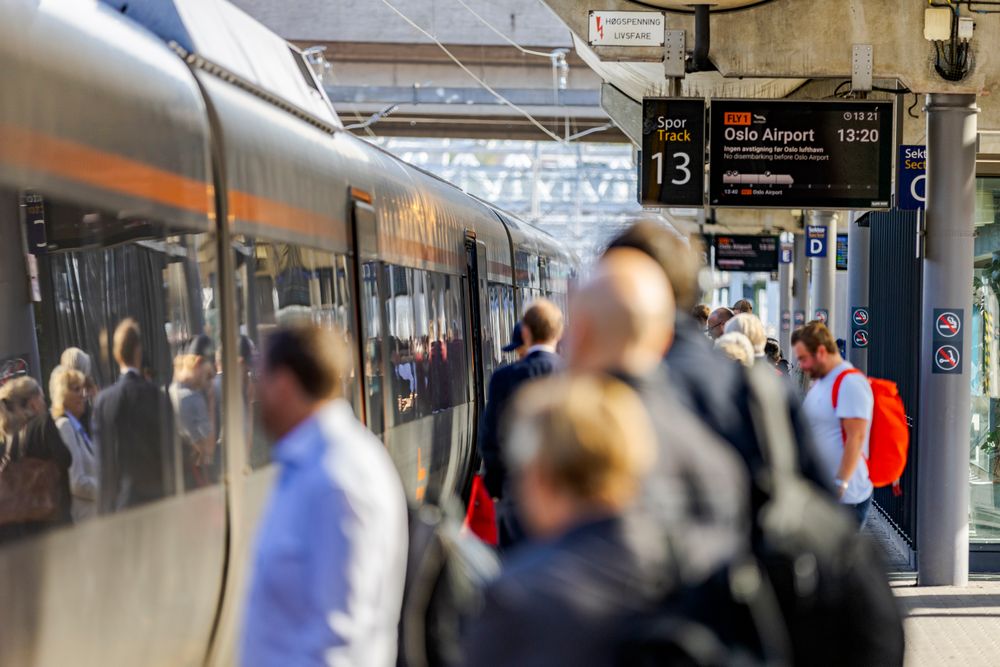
327, 583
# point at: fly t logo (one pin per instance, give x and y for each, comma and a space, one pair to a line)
736, 118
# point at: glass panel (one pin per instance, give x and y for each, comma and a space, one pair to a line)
372, 335
117, 391
279, 283
984, 463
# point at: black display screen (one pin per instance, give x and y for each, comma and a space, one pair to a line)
746, 253
672, 163
801, 154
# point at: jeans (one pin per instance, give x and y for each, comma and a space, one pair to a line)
861, 510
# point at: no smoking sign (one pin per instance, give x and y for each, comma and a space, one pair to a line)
948, 324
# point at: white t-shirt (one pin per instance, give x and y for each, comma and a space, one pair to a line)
854, 401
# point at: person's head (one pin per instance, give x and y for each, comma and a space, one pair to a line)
189, 370
623, 316
127, 344
542, 324
516, 343
20, 401
77, 359
700, 314
580, 447
772, 350
743, 306
678, 257
68, 391
815, 349
751, 327
737, 347
302, 367
717, 320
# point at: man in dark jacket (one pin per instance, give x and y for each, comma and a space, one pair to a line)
697, 494
541, 329
579, 449
713, 387
134, 431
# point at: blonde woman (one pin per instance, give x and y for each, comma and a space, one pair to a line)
68, 388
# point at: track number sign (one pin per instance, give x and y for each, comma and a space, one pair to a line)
672, 166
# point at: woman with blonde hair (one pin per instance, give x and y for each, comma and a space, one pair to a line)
68, 387
28, 432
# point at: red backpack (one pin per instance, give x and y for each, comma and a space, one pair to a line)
890, 436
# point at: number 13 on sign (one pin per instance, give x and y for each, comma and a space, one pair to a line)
685, 172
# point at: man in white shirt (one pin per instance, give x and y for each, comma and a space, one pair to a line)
841, 432
327, 583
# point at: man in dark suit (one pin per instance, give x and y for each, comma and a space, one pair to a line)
134, 431
541, 329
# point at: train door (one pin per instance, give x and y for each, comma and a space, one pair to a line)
479, 307
369, 352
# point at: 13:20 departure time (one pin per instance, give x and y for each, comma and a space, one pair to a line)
863, 135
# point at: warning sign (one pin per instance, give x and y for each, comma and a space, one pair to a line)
947, 359
860, 317
823, 315
947, 335
861, 338
947, 324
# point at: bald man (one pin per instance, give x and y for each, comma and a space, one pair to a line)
623, 324
717, 321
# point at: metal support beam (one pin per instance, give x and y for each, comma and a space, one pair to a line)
624, 111
824, 270
800, 284
945, 393
858, 266
785, 309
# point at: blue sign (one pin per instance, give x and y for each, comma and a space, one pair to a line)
815, 241
911, 178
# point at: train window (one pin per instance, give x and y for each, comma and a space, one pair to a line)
279, 283
108, 374
503, 316
428, 364
372, 353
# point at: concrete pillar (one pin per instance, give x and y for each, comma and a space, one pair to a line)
945, 397
784, 325
824, 269
800, 283
858, 267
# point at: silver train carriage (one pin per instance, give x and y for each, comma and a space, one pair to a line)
138, 183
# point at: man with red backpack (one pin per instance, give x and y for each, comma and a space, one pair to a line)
839, 409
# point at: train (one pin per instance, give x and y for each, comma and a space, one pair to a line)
195, 178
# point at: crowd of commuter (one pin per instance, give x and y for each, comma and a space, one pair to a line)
640, 461
641, 458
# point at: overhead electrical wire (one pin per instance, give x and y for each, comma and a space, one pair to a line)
549, 133
541, 54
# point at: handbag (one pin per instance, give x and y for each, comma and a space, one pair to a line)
29, 489
481, 517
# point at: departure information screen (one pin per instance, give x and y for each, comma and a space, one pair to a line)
801, 154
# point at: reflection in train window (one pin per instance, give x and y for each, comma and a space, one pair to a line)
280, 283
107, 377
371, 328
428, 367
503, 316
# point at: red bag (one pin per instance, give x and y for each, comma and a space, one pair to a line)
890, 436
481, 517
